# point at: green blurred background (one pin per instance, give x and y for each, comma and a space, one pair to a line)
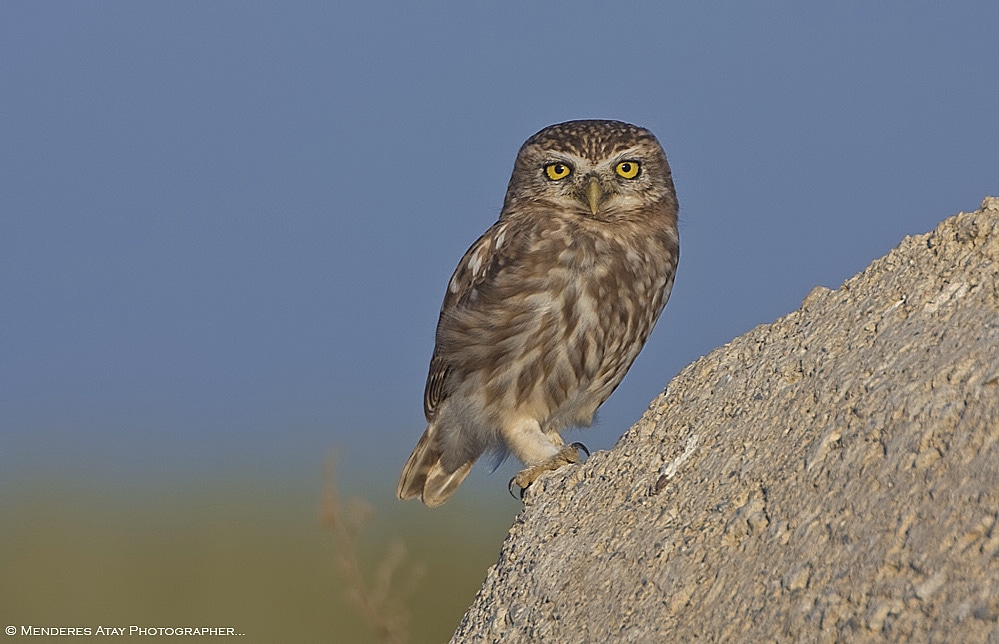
250, 555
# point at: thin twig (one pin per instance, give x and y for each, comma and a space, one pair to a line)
382, 604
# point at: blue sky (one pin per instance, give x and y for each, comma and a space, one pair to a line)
226, 228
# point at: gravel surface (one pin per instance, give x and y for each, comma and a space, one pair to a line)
833, 476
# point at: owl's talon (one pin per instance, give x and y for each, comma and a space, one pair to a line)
565, 456
509, 487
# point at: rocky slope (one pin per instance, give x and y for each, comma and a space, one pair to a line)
831, 476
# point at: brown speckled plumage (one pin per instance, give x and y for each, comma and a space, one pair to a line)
547, 310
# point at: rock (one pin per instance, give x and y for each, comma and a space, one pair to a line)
831, 476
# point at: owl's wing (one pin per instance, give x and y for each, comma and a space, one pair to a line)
481, 263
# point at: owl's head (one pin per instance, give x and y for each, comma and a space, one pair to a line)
604, 170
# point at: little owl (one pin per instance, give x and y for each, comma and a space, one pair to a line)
548, 309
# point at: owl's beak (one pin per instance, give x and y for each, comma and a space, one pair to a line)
594, 195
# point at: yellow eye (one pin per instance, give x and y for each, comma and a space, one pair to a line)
628, 169
557, 171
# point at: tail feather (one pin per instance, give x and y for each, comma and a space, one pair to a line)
414, 474
441, 485
425, 477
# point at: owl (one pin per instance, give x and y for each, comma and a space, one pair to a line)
547, 310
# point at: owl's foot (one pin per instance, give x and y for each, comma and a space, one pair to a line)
565, 456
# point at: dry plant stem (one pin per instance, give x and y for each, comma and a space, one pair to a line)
382, 602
